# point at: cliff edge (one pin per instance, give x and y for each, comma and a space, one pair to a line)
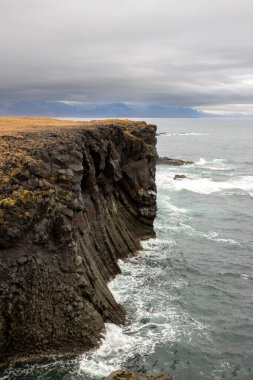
74, 198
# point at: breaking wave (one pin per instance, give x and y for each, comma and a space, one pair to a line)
209, 186
173, 134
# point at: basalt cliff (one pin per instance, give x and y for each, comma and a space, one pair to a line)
74, 198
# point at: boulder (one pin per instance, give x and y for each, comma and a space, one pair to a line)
172, 162
180, 176
127, 375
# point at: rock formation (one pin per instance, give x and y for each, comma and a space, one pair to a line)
172, 161
74, 198
126, 375
179, 176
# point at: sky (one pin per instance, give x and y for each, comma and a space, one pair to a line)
189, 53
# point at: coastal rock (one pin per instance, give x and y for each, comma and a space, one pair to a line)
127, 375
179, 176
172, 162
74, 198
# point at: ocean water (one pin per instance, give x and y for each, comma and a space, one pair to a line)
189, 294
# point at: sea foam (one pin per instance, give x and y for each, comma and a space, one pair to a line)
209, 186
174, 134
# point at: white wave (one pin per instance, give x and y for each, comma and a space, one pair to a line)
173, 134
208, 186
155, 244
212, 235
215, 237
166, 204
244, 276
111, 353
230, 241
201, 162
218, 164
120, 344
155, 316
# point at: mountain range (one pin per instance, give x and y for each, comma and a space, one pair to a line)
71, 109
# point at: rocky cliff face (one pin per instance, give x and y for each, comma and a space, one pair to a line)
72, 202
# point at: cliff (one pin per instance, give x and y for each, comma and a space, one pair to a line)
74, 198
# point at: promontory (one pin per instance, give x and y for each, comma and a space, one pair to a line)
74, 198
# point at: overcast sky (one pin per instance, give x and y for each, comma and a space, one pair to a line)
196, 53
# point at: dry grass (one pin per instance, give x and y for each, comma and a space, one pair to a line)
14, 125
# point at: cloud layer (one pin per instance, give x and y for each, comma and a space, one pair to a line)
171, 52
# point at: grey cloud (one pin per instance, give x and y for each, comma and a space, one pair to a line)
184, 52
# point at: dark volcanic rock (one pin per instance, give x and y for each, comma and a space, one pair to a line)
126, 375
180, 176
72, 202
172, 162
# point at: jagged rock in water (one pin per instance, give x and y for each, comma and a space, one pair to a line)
126, 375
172, 162
179, 176
74, 199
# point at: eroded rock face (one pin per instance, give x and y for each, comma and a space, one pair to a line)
72, 202
127, 375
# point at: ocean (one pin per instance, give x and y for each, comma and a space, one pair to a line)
189, 294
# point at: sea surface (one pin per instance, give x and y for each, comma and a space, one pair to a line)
189, 294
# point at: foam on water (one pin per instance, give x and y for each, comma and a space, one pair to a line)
211, 235
205, 185
180, 219
217, 164
153, 316
116, 346
166, 204
174, 134
245, 276
201, 162
215, 237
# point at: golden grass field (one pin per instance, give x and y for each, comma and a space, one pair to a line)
14, 125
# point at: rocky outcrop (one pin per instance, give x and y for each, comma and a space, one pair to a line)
179, 176
172, 162
73, 200
126, 375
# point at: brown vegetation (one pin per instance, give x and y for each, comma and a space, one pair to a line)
13, 125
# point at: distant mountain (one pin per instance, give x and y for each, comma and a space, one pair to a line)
67, 109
